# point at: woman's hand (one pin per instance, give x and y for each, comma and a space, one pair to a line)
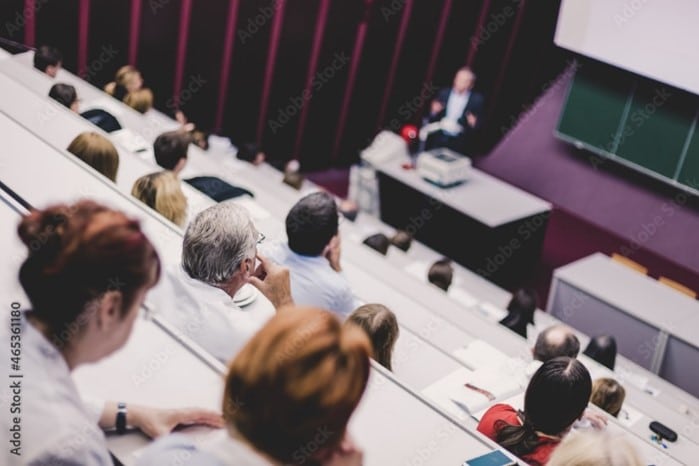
155, 422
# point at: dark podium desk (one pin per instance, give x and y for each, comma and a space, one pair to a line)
486, 225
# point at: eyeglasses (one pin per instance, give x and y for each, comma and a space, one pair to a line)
260, 238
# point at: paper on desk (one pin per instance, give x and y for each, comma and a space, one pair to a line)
130, 141
491, 311
462, 297
451, 388
418, 269
628, 416
479, 354
257, 212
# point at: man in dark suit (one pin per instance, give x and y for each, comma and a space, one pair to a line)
459, 109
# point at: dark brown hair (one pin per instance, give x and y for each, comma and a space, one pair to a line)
441, 274
76, 254
298, 379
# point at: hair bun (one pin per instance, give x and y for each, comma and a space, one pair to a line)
42, 231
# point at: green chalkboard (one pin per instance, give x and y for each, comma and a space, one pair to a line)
689, 175
643, 123
656, 128
595, 108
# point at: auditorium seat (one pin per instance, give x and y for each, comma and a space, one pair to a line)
678, 287
630, 263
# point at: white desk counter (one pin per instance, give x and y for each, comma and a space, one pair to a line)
24, 98
483, 197
600, 296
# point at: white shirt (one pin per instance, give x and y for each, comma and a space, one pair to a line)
220, 450
455, 107
313, 281
57, 428
207, 315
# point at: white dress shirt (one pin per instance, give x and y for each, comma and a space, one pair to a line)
455, 108
219, 450
57, 428
207, 315
313, 281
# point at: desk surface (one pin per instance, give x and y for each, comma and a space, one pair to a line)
266, 174
635, 294
484, 198
23, 96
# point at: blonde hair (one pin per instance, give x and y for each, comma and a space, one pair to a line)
608, 394
96, 151
162, 192
127, 76
381, 326
301, 374
140, 100
594, 449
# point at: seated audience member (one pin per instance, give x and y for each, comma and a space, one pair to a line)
608, 394
74, 254
127, 79
218, 257
348, 208
200, 139
555, 398
96, 151
378, 242
402, 240
461, 109
140, 100
170, 151
161, 192
595, 449
603, 350
441, 274
251, 153
294, 179
520, 311
380, 324
312, 255
556, 341
277, 401
48, 60
66, 95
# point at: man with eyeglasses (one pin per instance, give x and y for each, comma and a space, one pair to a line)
205, 296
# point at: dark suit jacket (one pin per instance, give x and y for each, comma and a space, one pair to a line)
474, 105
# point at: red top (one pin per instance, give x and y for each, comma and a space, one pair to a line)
506, 413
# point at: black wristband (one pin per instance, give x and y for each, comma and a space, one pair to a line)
121, 418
